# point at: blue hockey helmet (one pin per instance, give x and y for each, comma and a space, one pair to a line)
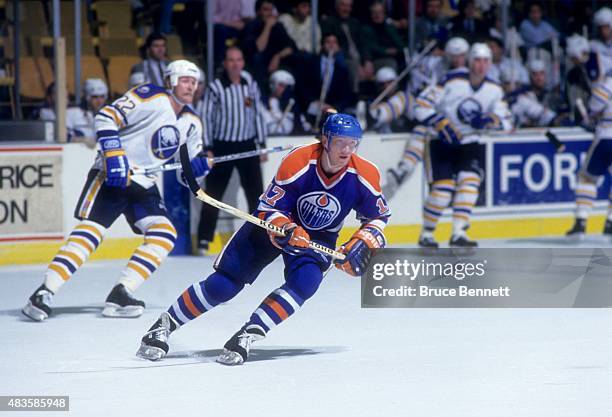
341, 124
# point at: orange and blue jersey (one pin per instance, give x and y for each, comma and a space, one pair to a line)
303, 192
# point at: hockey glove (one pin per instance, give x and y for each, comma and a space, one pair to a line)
485, 121
296, 239
446, 131
115, 161
359, 250
200, 166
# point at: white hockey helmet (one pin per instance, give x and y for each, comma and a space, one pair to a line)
456, 46
137, 78
536, 65
95, 87
480, 50
281, 77
385, 74
577, 47
603, 17
181, 68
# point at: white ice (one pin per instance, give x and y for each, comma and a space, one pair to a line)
331, 359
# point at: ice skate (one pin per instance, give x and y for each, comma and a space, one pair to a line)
608, 228
578, 230
121, 303
426, 240
462, 241
154, 344
236, 350
38, 307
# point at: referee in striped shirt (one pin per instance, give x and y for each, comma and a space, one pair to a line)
233, 122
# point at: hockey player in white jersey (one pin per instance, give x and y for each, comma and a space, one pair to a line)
80, 119
279, 109
527, 103
602, 20
455, 52
598, 162
144, 128
464, 104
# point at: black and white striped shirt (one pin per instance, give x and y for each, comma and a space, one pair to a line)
232, 112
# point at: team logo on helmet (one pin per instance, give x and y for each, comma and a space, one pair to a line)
317, 210
165, 142
468, 109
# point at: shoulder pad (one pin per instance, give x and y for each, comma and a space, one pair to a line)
296, 161
147, 91
366, 171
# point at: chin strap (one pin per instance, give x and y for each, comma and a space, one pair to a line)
175, 98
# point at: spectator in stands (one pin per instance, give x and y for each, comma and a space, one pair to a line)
228, 19
349, 33
535, 30
384, 42
397, 10
432, 25
502, 63
299, 27
467, 25
80, 119
155, 62
603, 27
327, 77
47, 111
266, 42
512, 36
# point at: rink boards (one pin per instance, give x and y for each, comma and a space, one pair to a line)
527, 191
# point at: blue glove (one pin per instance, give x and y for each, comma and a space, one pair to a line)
446, 131
359, 250
483, 121
199, 166
115, 161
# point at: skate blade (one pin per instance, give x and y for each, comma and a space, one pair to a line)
114, 310
34, 313
576, 237
230, 358
150, 353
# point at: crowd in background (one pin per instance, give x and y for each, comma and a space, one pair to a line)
361, 46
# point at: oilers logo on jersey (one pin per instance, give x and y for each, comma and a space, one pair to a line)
468, 109
317, 210
165, 142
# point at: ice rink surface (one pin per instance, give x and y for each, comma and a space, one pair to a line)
331, 359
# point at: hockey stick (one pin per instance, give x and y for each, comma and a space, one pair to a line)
415, 61
284, 115
215, 160
202, 196
324, 87
586, 120
554, 140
